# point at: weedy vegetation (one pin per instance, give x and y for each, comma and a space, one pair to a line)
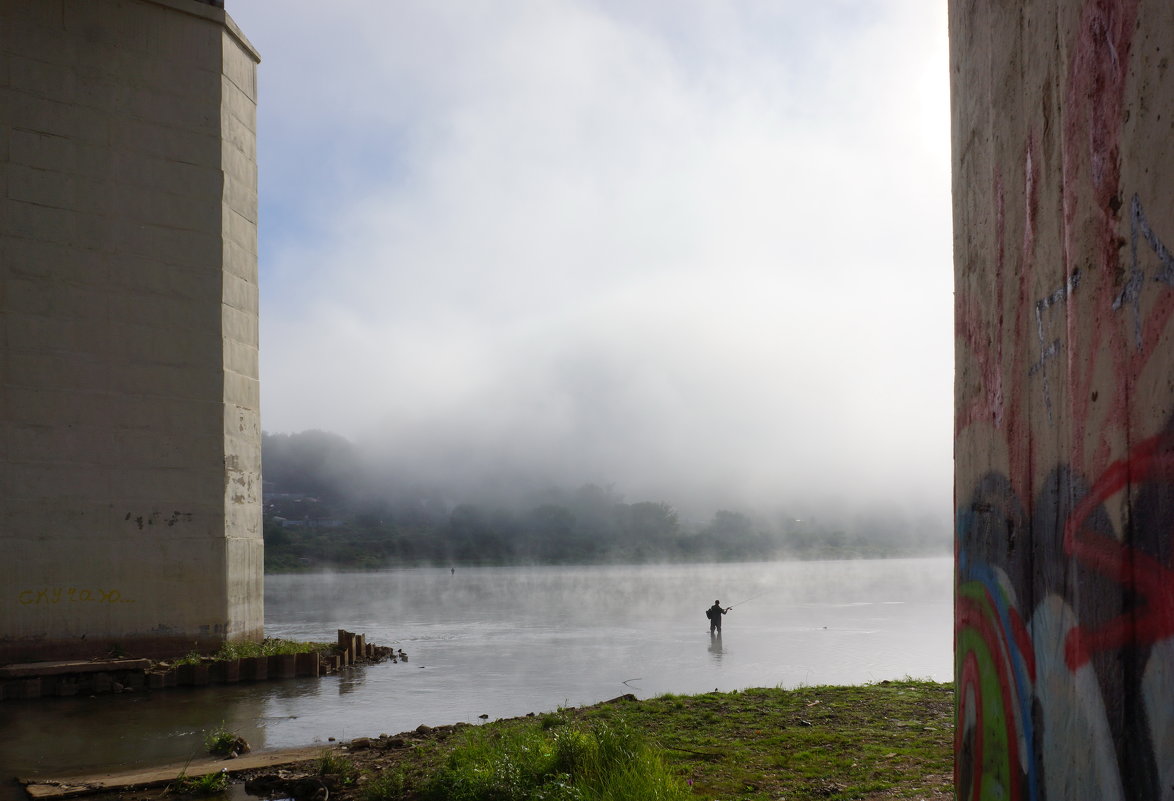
387, 785
589, 761
879, 742
270, 646
890, 740
882, 741
221, 742
331, 763
207, 784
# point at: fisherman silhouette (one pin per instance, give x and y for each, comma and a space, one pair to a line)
714, 613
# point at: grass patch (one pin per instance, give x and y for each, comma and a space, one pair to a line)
208, 784
890, 740
219, 741
344, 768
270, 646
552, 719
222, 742
878, 742
388, 785
845, 743
595, 761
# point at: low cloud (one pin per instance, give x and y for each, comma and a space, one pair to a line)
696, 250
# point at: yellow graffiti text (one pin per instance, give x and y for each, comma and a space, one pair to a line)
64, 595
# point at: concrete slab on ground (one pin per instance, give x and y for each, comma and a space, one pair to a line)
34, 669
70, 786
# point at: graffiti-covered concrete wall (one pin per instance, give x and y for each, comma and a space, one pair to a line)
1063, 147
129, 434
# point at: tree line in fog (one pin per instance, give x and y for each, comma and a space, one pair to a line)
325, 506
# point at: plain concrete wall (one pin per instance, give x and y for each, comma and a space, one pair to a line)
1063, 138
129, 436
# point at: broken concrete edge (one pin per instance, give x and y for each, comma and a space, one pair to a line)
158, 776
38, 669
86, 784
49, 788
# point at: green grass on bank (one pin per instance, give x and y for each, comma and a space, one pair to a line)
889, 740
270, 646
576, 762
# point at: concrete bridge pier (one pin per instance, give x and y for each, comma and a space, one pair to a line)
130, 511
1063, 150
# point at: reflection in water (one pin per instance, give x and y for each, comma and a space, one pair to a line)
350, 681
507, 641
715, 646
56, 735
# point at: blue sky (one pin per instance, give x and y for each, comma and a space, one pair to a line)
697, 249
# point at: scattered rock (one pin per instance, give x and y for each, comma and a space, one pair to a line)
310, 790
265, 785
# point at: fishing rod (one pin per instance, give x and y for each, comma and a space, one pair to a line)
748, 600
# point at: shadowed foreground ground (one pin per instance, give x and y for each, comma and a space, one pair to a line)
891, 740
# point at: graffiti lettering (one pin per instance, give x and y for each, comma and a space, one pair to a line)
57, 595
159, 519
1094, 593
1135, 571
1139, 225
1049, 350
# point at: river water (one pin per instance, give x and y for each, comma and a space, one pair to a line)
502, 642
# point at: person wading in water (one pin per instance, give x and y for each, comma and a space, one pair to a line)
714, 613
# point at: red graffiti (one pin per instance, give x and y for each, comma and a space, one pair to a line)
1090, 153
1135, 571
969, 615
969, 682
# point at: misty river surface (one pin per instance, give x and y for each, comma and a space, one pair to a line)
504, 641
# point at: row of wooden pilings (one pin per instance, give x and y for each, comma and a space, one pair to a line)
350, 649
251, 668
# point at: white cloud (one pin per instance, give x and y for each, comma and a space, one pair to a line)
690, 245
